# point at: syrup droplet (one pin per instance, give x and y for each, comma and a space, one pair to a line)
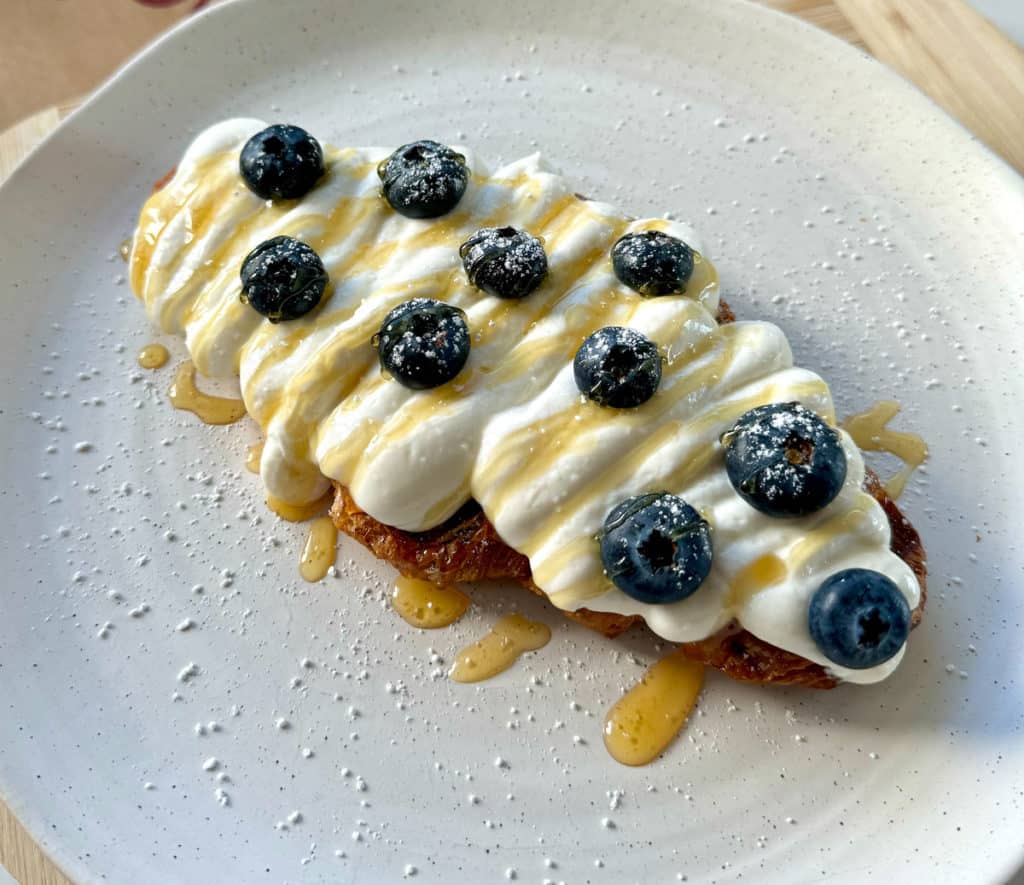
253, 456
153, 356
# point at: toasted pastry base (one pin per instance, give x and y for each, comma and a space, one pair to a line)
467, 548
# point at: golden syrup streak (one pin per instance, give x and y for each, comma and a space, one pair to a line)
511, 637
651, 714
209, 409
253, 456
319, 552
153, 356
871, 433
427, 605
763, 572
299, 512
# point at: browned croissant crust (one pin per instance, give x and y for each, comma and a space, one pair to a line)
467, 548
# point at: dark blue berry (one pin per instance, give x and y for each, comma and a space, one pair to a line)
423, 343
281, 163
858, 618
282, 279
617, 367
423, 179
653, 262
784, 460
656, 548
504, 262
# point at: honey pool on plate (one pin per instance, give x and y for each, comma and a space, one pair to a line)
184, 394
646, 719
426, 605
511, 637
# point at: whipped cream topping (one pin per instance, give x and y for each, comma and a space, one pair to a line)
512, 430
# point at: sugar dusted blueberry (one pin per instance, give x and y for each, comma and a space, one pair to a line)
423, 179
617, 367
283, 279
504, 262
653, 262
784, 460
423, 343
281, 162
656, 548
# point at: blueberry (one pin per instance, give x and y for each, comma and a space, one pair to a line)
858, 618
281, 163
656, 548
423, 179
617, 367
282, 279
653, 262
423, 343
504, 262
784, 460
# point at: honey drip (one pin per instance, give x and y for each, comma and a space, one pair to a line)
762, 573
426, 605
870, 431
320, 550
649, 715
498, 650
153, 356
253, 456
209, 409
299, 512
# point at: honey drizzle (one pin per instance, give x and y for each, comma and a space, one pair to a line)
765, 571
511, 637
253, 456
870, 431
184, 394
427, 605
299, 512
320, 550
647, 717
153, 356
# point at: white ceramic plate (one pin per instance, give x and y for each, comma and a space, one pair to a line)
836, 201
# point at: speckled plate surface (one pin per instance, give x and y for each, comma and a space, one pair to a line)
835, 200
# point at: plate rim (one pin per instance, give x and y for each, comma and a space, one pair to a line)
848, 56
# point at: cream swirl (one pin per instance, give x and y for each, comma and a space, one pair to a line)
511, 430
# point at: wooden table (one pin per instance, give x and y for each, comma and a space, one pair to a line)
949, 51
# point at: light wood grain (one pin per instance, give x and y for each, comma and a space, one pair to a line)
24, 860
949, 51
53, 49
823, 14
956, 56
